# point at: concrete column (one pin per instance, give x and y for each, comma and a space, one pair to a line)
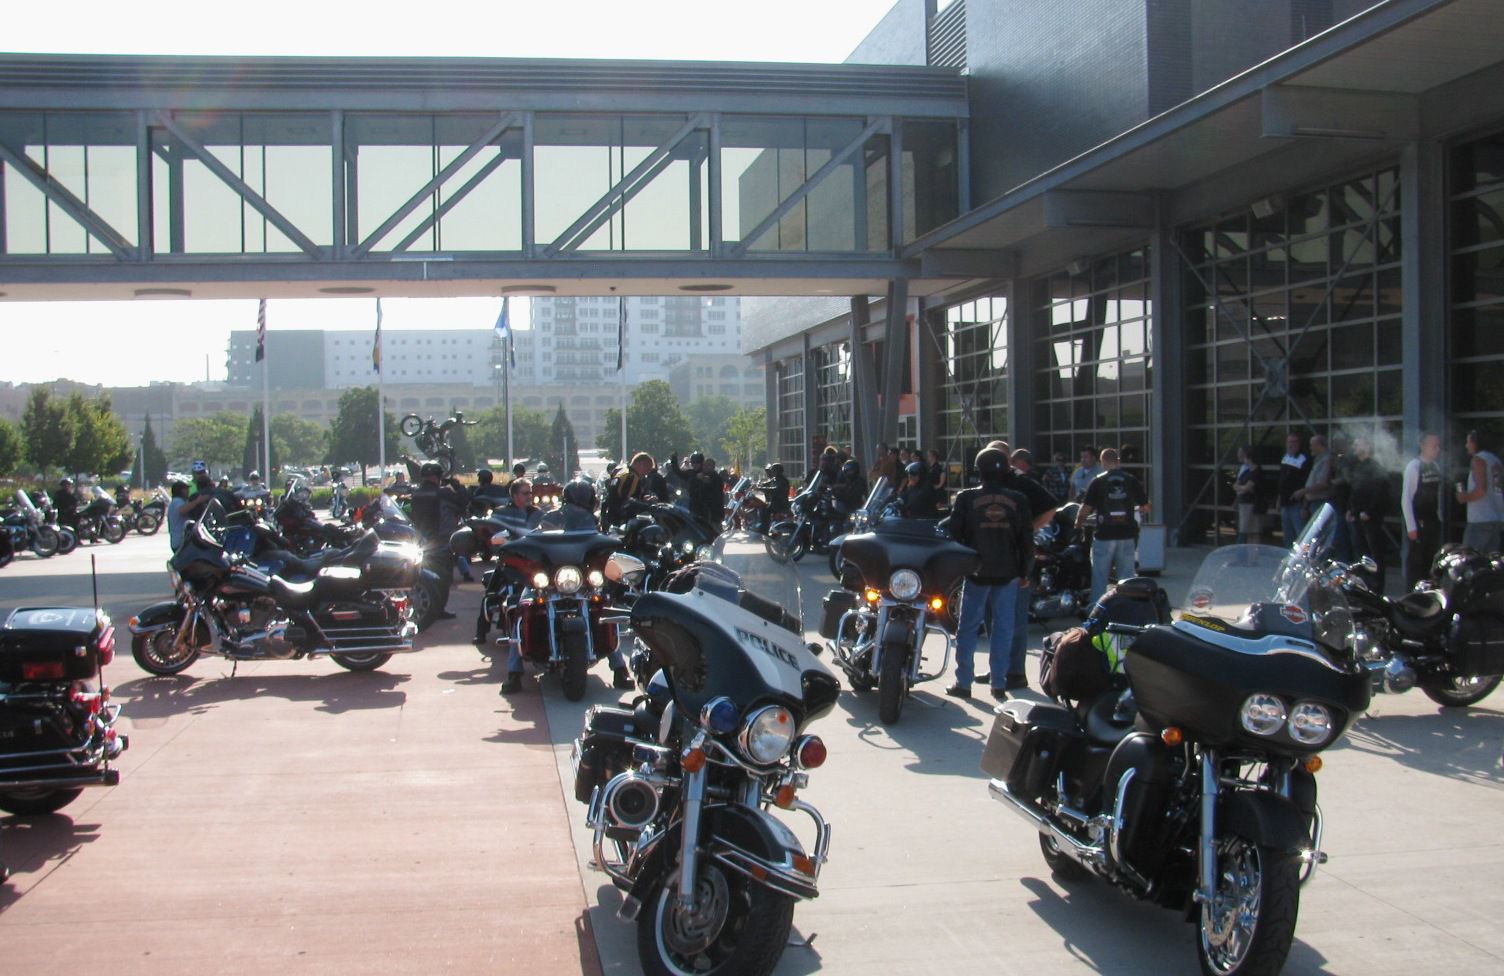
1423, 273
1167, 420
931, 374
895, 346
1016, 335
864, 434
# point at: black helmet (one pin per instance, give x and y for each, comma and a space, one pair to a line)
992, 463
580, 493
484, 476
851, 469
696, 459
914, 469
431, 468
775, 470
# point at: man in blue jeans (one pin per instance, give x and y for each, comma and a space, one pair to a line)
995, 521
1115, 498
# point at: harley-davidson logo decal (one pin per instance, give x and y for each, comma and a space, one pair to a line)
1292, 613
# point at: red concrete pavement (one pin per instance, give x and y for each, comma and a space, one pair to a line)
301, 818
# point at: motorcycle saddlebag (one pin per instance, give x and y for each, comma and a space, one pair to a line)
390, 568
1028, 741
1477, 645
604, 747
835, 604
55, 644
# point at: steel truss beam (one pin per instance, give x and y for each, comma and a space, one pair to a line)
54, 191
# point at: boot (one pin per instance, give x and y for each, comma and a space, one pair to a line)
622, 679
513, 684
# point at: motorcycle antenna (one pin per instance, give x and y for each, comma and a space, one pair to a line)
94, 578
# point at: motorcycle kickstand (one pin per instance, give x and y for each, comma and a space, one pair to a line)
808, 942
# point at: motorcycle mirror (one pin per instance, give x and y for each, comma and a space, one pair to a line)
1369, 565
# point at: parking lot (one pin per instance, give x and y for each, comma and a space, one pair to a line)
315, 820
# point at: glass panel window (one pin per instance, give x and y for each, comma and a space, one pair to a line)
791, 449
1476, 333
973, 392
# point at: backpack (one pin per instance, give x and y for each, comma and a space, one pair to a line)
1072, 667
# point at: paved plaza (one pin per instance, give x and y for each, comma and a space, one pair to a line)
300, 818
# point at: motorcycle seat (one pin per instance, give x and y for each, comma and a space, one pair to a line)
1420, 613
1106, 719
293, 596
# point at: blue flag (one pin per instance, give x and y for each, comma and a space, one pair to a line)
504, 331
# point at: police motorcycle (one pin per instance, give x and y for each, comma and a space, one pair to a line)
685, 786
350, 604
26, 528
1190, 783
57, 725
897, 577
1445, 637
1061, 582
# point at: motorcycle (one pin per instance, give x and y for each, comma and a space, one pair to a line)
57, 726
67, 539
818, 520
683, 787
1061, 582
1189, 782
26, 528
152, 515
98, 521
350, 604
744, 506
339, 496
554, 609
897, 578
1445, 637
881, 504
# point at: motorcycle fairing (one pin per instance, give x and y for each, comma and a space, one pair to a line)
906, 544
554, 549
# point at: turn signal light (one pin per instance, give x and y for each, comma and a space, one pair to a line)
810, 752
804, 864
1172, 736
872, 595
937, 603
1312, 764
785, 797
693, 760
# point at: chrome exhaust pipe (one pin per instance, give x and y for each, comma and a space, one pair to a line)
1086, 855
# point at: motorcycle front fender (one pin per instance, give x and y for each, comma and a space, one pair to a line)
896, 632
158, 616
1265, 818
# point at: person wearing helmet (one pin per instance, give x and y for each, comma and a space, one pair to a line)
916, 499
430, 502
576, 513
542, 474
488, 494
776, 490
850, 490
707, 496
995, 521
66, 503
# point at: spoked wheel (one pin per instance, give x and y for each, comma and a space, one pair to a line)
113, 531
425, 600
575, 667
361, 662
777, 545
411, 424
738, 926
892, 683
1457, 692
161, 654
37, 802
67, 541
1248, 925
45, 542
147, 524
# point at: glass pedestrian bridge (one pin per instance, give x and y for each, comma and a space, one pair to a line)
281, 177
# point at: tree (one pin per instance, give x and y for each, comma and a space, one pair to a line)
100, 443
746, 439
530, 434
299, 441
216, 440
47, 428
707, 418
12, 448
156, 460
563, 454
354, 436
254, 453
655, 423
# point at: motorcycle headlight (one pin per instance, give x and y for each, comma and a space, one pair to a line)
1311, 724
904, 585
1263, 714
540, 580
595, 578
767, 734
568, 579
704, 554
688, 547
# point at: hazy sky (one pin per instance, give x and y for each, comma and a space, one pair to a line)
130, 343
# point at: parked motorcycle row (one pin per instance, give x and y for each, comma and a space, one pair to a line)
31, 523
1176, 758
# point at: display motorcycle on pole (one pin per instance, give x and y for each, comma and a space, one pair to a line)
897, 580
350, 604
57, 726
682, 787
1445, 638
1191, 783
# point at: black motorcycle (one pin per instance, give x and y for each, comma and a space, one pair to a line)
98, 521
897, 578
1191, 783
25, 527
818, 519
1061, 581
682, 787
881, 504
1445, 637
350, 604
57, 726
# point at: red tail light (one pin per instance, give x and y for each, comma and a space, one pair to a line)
107, 646
42, 670
810, 752
91, 701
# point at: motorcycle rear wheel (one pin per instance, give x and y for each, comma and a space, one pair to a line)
159, 653
1455, 692
1061, 865
575, 667
67, 541
892, 683
37, 802
147, 524
425, 601
112, 531
361, 662
741, 927
1247, 928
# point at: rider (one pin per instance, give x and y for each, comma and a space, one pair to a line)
519, 509
66, 503
707, 498
916, 499
429, 500
638, 482
776, 491
850, 490
487, 492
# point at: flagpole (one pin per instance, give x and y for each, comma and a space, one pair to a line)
506, 387
621, 372
380, 404
266, 414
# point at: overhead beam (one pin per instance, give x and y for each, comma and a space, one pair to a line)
1294, 111
958, 263
60, 195
1094, 208
452, 201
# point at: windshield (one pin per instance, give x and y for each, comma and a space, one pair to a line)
1262, 589
24, 501
389, 509
742, 556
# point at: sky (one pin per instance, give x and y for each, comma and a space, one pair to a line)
133, 343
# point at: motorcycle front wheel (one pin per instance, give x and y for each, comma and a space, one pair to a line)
892, 683
45, 543
159, 653
738, 927
147, 524
1247, 927
575, 667
67, 541
37, 802
1458, 692
425, 600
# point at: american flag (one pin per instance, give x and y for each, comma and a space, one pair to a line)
504, 331
376, 346
261, 331
621, 332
